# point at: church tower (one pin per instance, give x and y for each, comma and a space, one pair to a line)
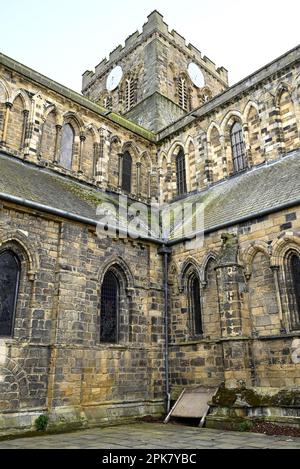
156, 78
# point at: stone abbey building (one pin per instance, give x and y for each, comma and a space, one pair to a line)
83, 317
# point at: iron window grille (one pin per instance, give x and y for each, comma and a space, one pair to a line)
109, 319
9, 285
126, 172
181, 173
238, 148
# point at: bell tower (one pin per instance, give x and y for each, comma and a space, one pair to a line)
156, 78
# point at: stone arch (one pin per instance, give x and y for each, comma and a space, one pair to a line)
89, 157
20, 240
172, 157
250, 252
210, 297
134, 152
208, 257
247, 109
144, 182
190, 152
14, 384
288, 130
49, 133
189, 263
5, 95
4, 98
282, 245
264, 308
73, 118
255, 148
115, 149
230, 119
69, 154
121, 271
218, 165
122, 266
18, 116
283, 87
24, 97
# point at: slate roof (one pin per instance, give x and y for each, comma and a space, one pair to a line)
250, 194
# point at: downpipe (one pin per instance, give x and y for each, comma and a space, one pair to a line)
166, 252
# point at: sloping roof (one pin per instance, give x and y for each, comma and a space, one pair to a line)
50, 190
249, 195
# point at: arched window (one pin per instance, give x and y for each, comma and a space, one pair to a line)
67, 144
238, 147
181, 173
195, 305
183, 93
130, 93
9, 284
109, 320
126, 172
293, 287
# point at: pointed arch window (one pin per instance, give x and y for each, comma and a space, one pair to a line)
109, 320
130, 93
181, 173
183, 93
194, 300
293, 287
126, 172
9, 286
67, 146
238, 148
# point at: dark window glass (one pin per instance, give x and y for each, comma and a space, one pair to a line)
238, 148
67, 143
181, 173
126, 172
295, 277
196, 306
9, 282
109, 309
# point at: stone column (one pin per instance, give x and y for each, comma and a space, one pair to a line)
138, 178
81, 148
247, 145
5, 124
96, 156
231, 287
24, 130
120, 170
39, 149
226, 167
57, 143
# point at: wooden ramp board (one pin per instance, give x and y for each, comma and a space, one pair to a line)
192, 403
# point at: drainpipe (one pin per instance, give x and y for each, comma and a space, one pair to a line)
166, 252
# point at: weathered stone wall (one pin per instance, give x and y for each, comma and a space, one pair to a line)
247, 328
155, 60
55, 360
268, 112
35, 116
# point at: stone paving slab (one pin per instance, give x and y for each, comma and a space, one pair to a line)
153, 436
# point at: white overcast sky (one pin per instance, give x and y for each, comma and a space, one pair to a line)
63, 38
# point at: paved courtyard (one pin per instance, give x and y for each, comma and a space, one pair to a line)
153, 436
